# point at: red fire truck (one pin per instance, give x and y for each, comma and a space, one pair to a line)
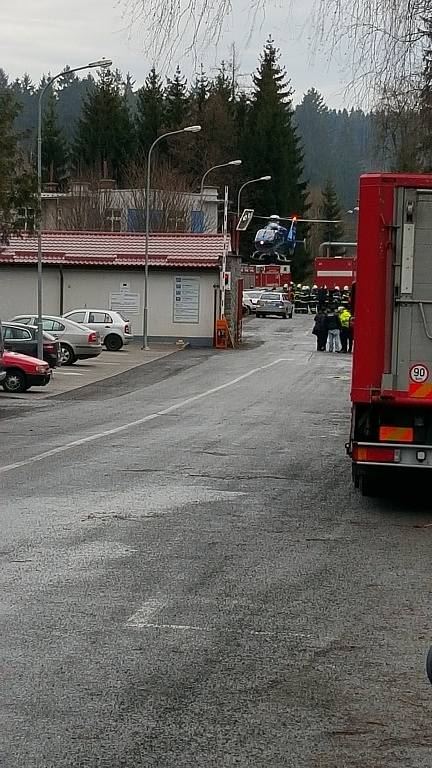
332, 271
391, 392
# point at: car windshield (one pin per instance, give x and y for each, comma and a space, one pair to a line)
271, 296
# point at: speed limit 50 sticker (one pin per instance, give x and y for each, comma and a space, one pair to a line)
419, 373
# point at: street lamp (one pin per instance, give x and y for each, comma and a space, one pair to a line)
213, 168
251, 181
188, 129
103, 63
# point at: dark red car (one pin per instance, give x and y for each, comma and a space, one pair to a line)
23, 372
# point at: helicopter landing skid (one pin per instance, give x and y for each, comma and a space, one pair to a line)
258, 256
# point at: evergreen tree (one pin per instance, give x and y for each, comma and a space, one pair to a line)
330, 209
150, 113
176, 101
72, 92
312, 120
17, 182
271, 146
223, 84
54, 148
199, 92
105, 134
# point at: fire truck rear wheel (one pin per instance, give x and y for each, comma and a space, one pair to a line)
355, 475
368, 484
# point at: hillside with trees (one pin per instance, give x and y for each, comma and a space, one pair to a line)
103, 126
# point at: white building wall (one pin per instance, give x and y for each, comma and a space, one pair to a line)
18, 291
92, 288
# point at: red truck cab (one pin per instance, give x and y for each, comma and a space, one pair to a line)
391, 393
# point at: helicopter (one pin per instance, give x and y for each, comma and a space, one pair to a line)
276, 241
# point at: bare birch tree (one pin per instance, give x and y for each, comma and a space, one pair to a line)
171, 202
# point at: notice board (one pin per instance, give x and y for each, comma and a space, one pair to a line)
186, 299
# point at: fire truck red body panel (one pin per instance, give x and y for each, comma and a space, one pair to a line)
332, 271
374, 300
271, 275
391, 392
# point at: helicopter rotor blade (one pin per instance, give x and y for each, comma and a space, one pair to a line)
308, 221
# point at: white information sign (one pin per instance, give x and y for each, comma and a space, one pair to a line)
419, 373
186, 299
125, 301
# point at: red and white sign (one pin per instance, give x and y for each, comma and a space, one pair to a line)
419, 373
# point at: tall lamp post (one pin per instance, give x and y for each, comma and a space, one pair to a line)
251, 181
103, 63
188, 129
213, 168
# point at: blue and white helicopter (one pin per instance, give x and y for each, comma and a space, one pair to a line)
278, 242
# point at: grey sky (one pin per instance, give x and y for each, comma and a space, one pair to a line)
44, 35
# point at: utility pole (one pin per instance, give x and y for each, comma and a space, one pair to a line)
224, 253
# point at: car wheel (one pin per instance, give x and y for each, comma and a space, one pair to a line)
67, 355
113, 342
15, 381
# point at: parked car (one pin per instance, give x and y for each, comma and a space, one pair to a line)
23, 372
274, 303
114, 328
76, 341
250, 299
22, 338
2, 368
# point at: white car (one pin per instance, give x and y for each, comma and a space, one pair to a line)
114, 329
250, 299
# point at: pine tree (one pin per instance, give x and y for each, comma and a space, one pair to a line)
105, 134
222, 84
176, 101
54, 147
199, 92
17, 182
271, 146
312, 120
330, 209
150, 113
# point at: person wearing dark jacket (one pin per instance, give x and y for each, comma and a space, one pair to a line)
333, 325
320, 330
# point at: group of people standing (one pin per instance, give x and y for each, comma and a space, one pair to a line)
334, 329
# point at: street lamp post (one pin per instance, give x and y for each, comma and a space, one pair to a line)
188, 129
213, 168
251, 181
92, 65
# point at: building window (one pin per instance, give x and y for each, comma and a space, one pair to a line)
26, 219
113, 220
136, 220
197, 221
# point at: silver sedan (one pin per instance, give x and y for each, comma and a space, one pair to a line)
77, 342
274, 303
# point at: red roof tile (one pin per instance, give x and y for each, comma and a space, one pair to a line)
119, 249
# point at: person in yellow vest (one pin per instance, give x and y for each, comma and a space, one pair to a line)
345, 317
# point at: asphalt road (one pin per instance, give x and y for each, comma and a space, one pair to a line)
188, 579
